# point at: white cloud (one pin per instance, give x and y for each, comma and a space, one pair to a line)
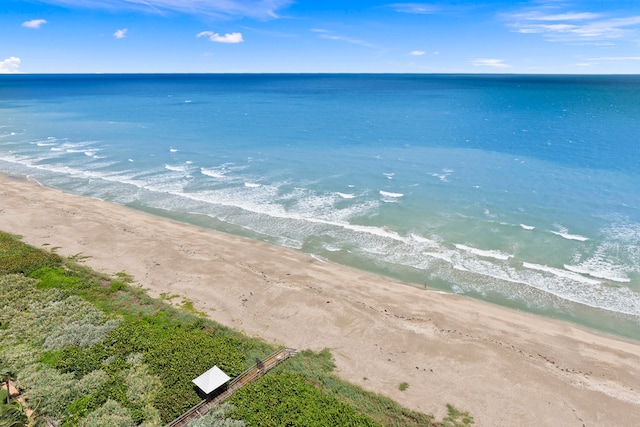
120, 34
258, 9
570, 16
227, 38
34, 23
487, 62
573, 26
597, 30
616, 58
417, 52
414, 8
10, 65
325, 34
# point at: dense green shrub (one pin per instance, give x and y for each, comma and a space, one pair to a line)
17, 257
111, 414
292, 401
159, 358
79, 333
53, 390
217, 417
142, 386
59, 278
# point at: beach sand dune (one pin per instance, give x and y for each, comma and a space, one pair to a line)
505, 367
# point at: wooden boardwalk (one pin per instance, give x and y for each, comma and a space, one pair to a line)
251, 374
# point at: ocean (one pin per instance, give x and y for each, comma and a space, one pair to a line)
521, 190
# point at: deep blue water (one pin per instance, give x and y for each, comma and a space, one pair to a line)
521, 190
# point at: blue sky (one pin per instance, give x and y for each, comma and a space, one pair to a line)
307, 36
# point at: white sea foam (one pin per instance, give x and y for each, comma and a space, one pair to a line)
173, 150
570, 236
444, 256
213, 173
419, 238
346, 196
252, 185
180, 168
331, 248
623, 231
560, 273
527, 227
444, 175
600, 274
610, 261
392, 195
564, 233
485, 253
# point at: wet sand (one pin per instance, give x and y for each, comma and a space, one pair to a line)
503, 366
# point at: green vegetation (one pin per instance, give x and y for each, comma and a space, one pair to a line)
91, 350
403, 386
12, 415
20, 258
283, 394
317, 369
217, 417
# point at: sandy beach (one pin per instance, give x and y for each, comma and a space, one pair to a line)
505, 367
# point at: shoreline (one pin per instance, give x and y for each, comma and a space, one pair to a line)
503, 366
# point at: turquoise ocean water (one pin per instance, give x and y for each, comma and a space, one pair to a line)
520, 190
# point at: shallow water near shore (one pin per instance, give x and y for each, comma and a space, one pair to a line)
520, 190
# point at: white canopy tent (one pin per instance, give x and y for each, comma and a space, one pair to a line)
211, 380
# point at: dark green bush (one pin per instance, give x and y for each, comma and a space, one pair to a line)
117, 286
19, 258
58, 278
292, 401
81, 361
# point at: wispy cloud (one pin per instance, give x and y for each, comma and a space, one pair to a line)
488, 62
34, 23
120, 34
10, 65
570, 26
414, 8
417, 52
326, 34
616, 58
568, 16
227, 38
270, 33
258, 9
